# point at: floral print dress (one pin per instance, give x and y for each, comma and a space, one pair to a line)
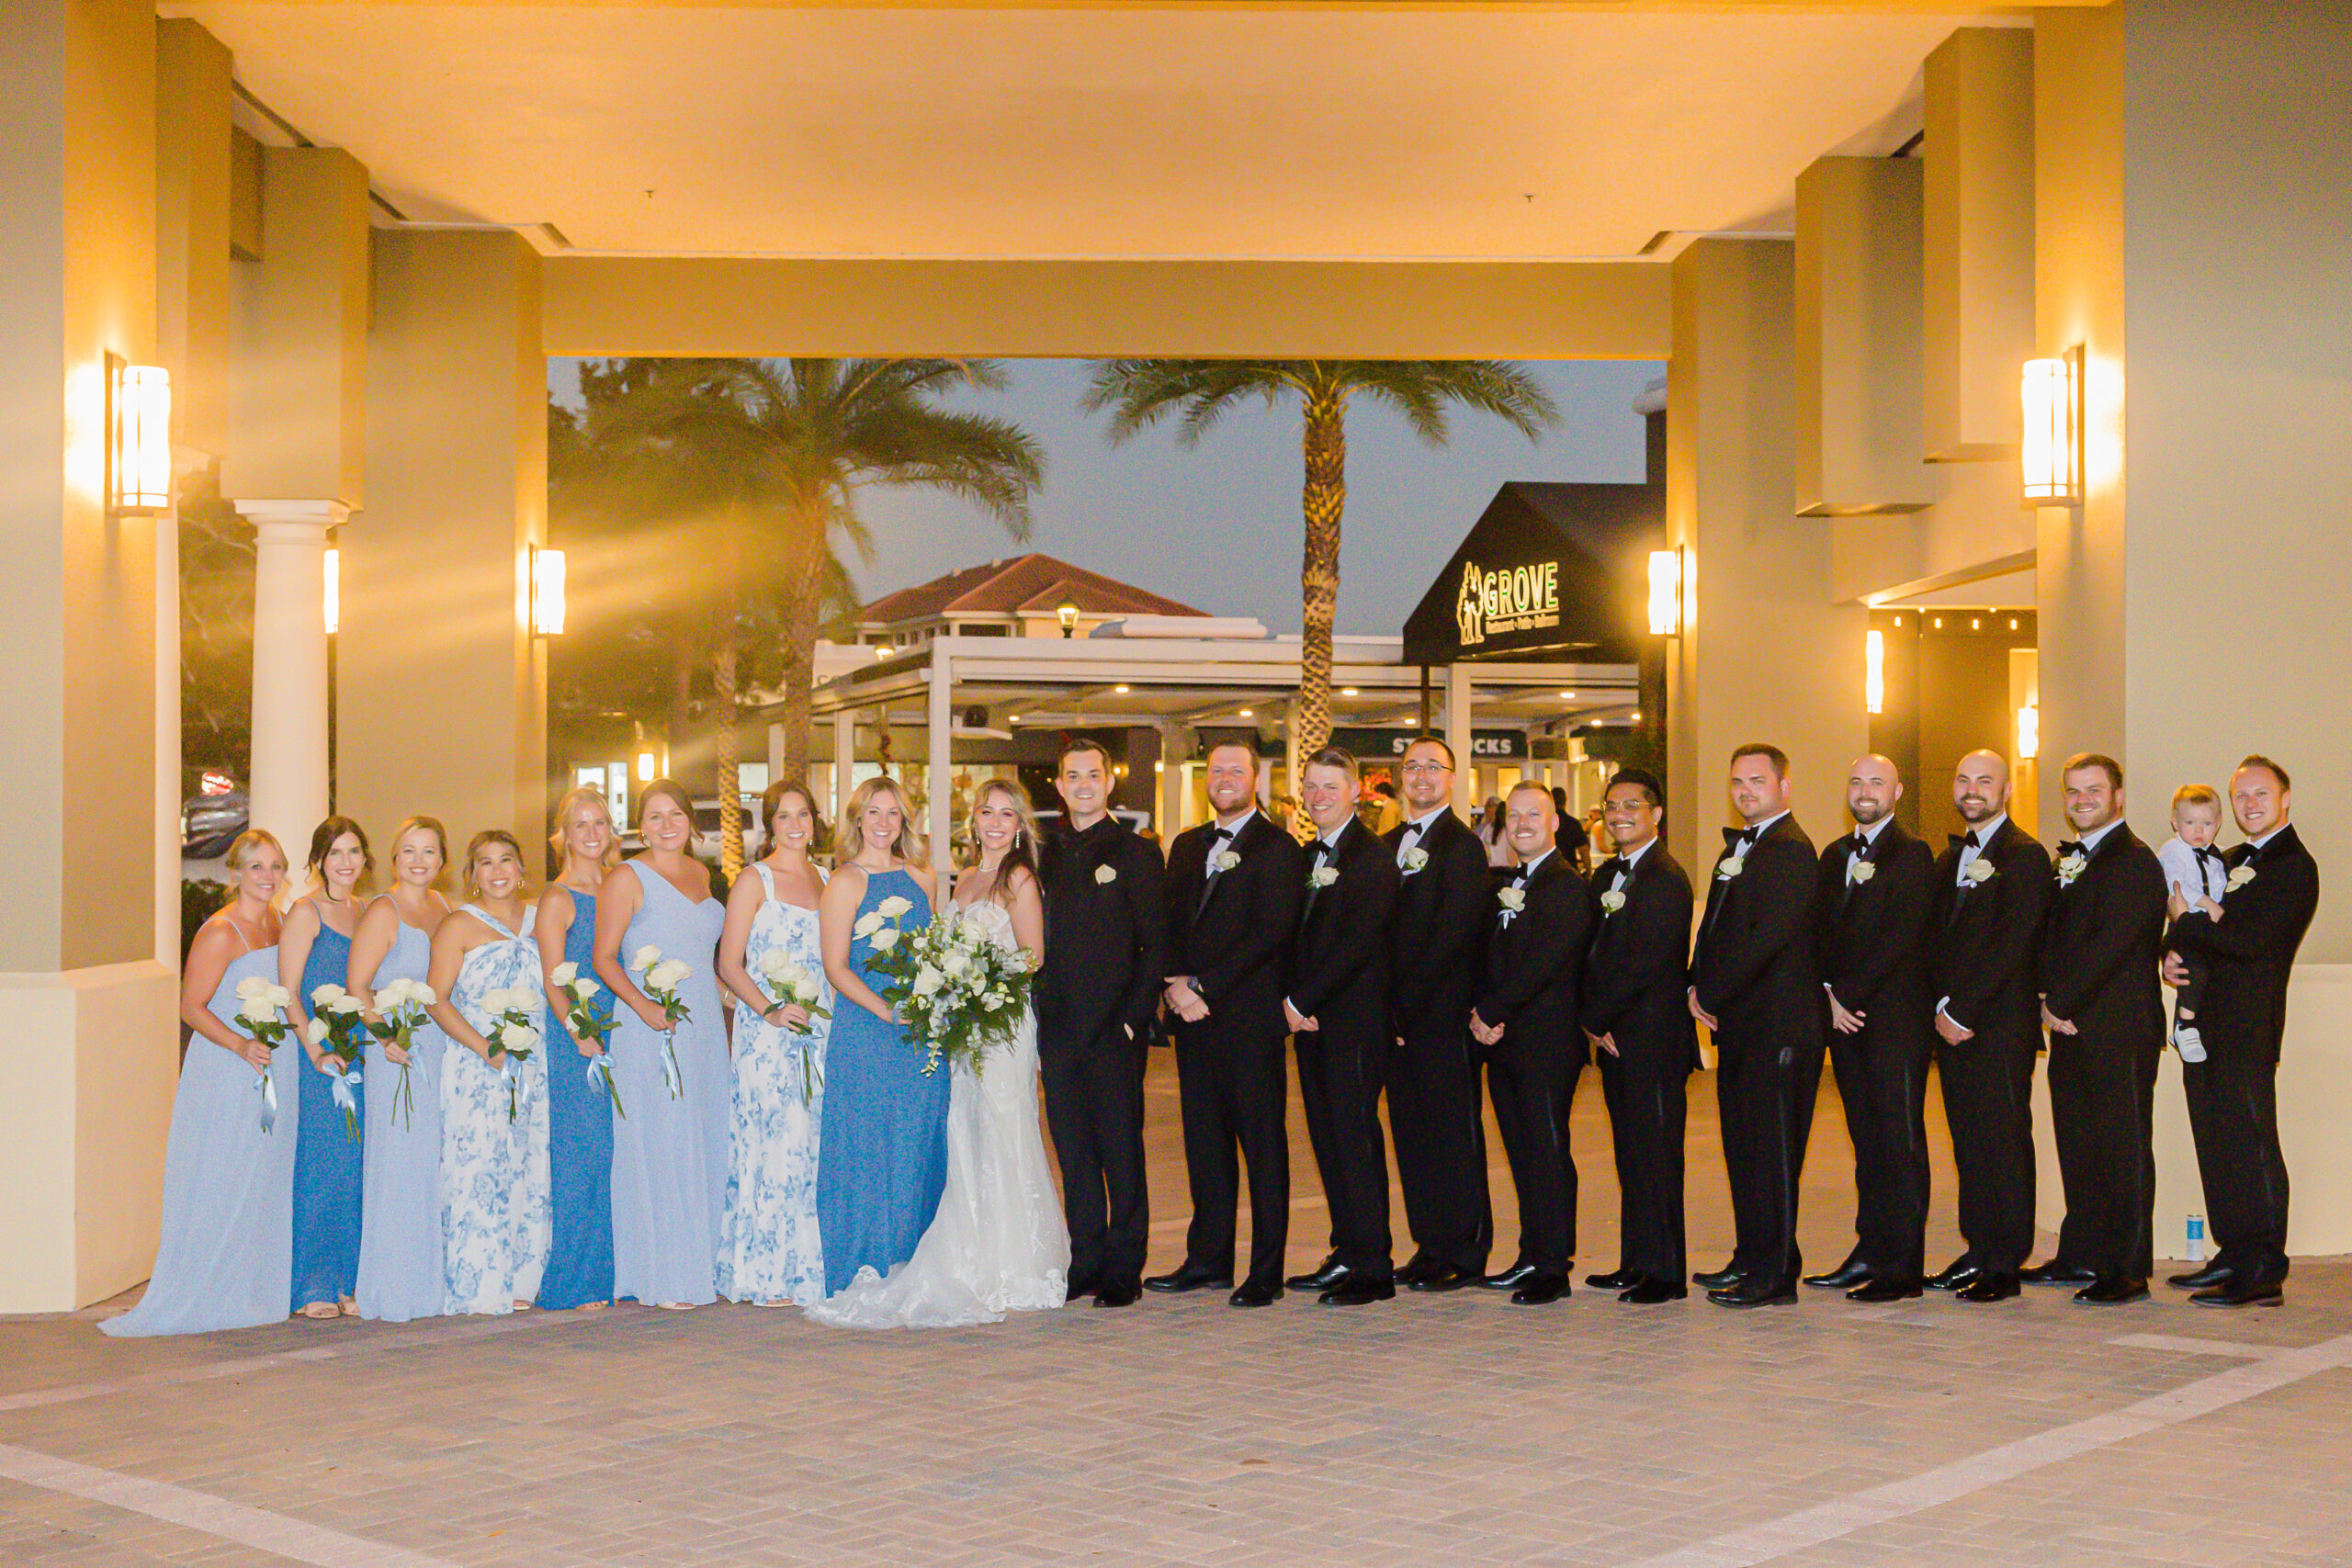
497, 1220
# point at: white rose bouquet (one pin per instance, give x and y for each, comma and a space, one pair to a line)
257, 1004
587, 1021
785, 980
662, 978
514, 1031
339, 1030
400, 1014
953, 987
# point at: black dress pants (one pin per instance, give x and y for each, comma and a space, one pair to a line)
1882, 1079
1646, 1090
2234, 1114
1988, 1101
2102, 1115
1533, 1081
1765, 1090
1094, 1110
1442, 1148
1339, 1082
1234, 1086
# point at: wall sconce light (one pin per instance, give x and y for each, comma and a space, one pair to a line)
2051, 394
1066, 612
139, 439
2028, 732
645, 767
1874, 671
333, 605
1665, 592
546, 591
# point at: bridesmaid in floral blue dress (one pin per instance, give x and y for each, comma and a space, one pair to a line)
768, 1250
400, 1218
228, 1181
580, 1114
882, 1147
670, 1150
494, 1211
315, 950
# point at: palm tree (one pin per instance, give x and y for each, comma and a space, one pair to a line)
778, 449
1139, 393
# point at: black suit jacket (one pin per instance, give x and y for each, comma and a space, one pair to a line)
1235, 945
1339, 968
2105, 932
1754, 967
1536, 962
1106, 941
1873, 936
1433, 938
1982, 945
1637, 974
2250, 951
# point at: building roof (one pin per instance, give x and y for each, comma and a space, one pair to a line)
1031, 582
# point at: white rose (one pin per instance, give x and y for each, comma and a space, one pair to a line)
423, 994
390, 994
669, 973
252, 985
1324, 876
317, 1032
890, 908
806, 990
279, 996
1980, 870
1512, 898
868, 923
1104, 875
647, 957
564, 974
928, 981
1415, 859
2069, 868
957, 964
345, 1007
777, 964
1859, 871
884, 941
1612, 901
1226, 860
584, 988
518, 1036
2239, 876
1729, 867
257, 1010
323, 995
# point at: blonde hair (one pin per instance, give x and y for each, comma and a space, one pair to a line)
1024, 851
2196, 794
583, 794
421, 824
850, 840
241, 849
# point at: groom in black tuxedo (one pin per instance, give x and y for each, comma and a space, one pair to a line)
1106, 941
1234, 887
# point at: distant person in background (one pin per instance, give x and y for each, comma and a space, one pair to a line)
1499, 853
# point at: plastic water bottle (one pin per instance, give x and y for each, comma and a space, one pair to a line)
2196, 1253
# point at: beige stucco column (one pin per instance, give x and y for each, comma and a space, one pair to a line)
844, 761
288, 789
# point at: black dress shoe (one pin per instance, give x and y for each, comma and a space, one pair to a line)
1990, 1288
1081, 1286
2114, 1290
1125, 1293
2056, 1273
1615, 1280
2235, 1292
1721, 1278
1510, 1278
1755, 1293
1255, 1293
1444, 1277
1189, 1277
1958, 1273
1326, 1275
1845, 1276
1882, 1289
1650, 1292
1539, 1288
1353, 1290
1417, 1267
2204, 1279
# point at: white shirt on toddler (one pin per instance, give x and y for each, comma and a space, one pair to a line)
2192, 875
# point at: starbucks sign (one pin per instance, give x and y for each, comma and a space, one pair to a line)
1510, 599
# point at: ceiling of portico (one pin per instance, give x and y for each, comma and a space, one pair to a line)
1229, 132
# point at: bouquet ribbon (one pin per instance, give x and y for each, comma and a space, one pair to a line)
599, 1075
344, 1082
267, 1090
672, 1076
518, 1090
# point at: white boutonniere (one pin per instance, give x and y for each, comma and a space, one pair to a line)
1859, 871
1226, 860
1729, 867
2239, 876
1611, 902
1980, 870
2069, 867
1323, 877
1104, 875
1512, 899
1416, 858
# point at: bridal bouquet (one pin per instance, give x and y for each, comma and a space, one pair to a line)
340, 1030
588, 1021
514, 1031
785, 980
257, 1004
400, 1014
954, 987
662, 978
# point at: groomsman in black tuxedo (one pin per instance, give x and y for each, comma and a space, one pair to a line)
1106, 939
1441, 903
1871, 906
1526, 1023
1233, 889
2105, 1012
2248, 940
1992, 893
1753, 984
1641, 1033
1337, 1009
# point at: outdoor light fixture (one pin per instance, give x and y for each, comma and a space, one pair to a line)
1068, 614
333, 605
1121, 690
1568, 696
2028, 732
2051, 395
882, 650
1874, 671
1347, 690
139, 439
1244, 713
645, 767
546, 591
1665, 592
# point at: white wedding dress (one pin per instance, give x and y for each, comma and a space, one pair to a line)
998, 1243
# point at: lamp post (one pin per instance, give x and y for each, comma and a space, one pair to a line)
1068, 614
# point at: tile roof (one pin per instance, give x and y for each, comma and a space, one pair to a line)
1032, 582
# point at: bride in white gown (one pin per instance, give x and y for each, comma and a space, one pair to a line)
998, 1243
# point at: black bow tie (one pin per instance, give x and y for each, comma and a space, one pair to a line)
1219, 836
2208, 853
2073, 847
1322, 847
1862, 843
1968, 839
1739, 836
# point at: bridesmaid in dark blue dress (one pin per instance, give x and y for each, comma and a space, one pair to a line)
315, 950
882, 1148
580, 1115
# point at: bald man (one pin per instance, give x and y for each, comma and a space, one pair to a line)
1992, 887
1876, 887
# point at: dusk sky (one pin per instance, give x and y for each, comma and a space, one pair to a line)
1217, 526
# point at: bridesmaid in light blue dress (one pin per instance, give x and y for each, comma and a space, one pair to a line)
228, 1182
669, 1151
495, 1218
768, 1250
580, 1114
399, 1228
882, 1147
315, 951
